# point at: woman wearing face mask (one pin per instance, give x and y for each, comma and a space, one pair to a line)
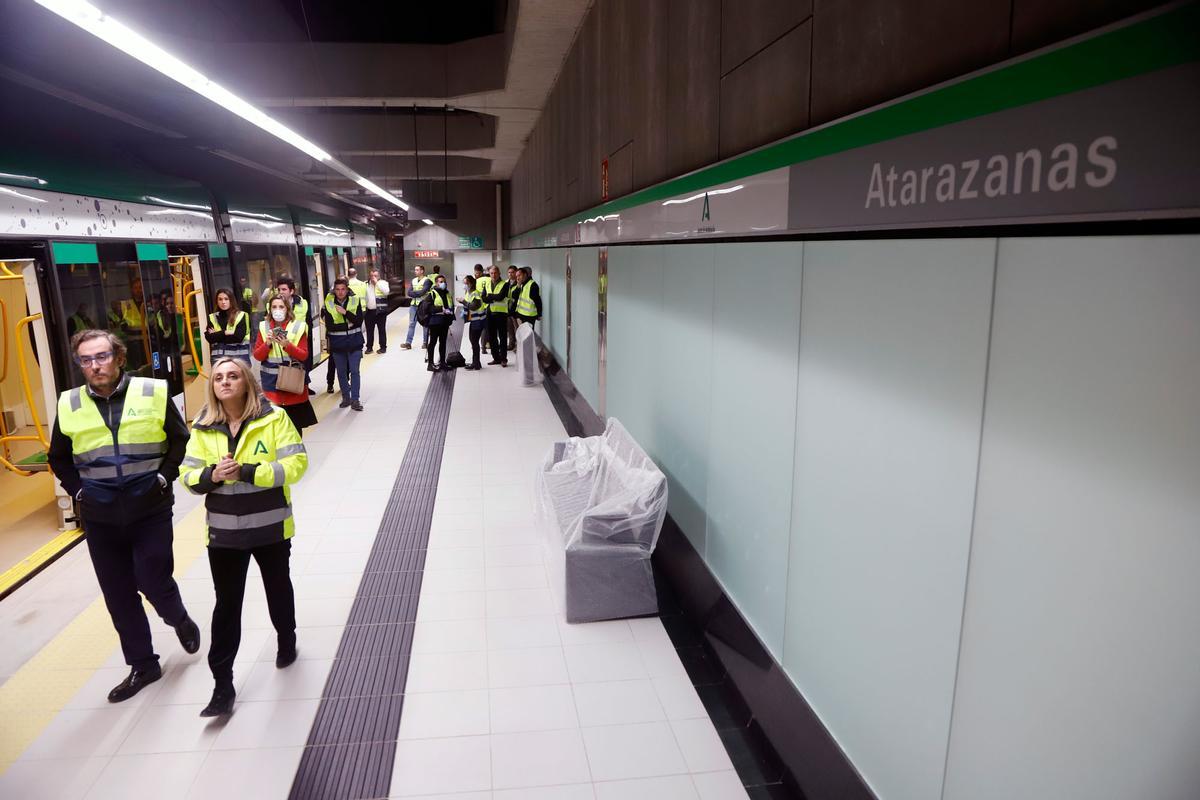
475, 313
282, 340
243, 455
228, 332
439, 322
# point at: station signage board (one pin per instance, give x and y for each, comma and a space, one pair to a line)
426, 254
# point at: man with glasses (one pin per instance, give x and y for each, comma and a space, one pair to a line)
117, 445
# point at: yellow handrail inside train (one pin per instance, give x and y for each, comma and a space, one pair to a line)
4, 328
187, 327
37, 423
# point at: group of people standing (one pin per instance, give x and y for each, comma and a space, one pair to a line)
118, 446
491, 305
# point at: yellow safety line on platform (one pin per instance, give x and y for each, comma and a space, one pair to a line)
41, 688
34, 561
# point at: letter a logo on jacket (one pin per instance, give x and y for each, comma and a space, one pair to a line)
259, 447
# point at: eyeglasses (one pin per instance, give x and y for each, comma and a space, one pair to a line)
100, 359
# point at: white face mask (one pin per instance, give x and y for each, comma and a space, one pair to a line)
278, 314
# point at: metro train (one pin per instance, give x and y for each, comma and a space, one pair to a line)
148, 272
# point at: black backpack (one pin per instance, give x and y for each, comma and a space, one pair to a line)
425, 310
455, 361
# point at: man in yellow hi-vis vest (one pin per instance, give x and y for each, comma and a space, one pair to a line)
116, 448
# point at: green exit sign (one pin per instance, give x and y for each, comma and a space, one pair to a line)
470, 243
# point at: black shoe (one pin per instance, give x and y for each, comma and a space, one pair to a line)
406, 346
221, 703
504, 363
357, 406
329, 389
494, 361
137, 680
344, 404
382, 350
189, 635
285, 656
369, 350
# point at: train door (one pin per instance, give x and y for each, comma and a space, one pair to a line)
160, 301
35, 513
314, 292
187, 273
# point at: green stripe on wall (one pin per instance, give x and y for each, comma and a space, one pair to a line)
1166, 40
151, 251
218, 251
74, 253
329, 252
308, 251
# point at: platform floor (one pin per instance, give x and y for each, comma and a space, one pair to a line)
503, 698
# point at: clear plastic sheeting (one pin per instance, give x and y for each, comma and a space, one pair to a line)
527, 356
601, 503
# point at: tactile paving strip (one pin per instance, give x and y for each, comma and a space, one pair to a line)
352, 744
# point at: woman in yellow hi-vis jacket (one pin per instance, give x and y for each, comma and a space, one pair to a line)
243, 455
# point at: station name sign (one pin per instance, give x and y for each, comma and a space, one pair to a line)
1126, 148
426, 254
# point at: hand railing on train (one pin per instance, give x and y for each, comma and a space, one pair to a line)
27, 388
187, 326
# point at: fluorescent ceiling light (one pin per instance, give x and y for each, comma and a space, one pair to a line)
704, 194
173, 211
29, 178
427, 221
128, 41
15, 193
371, 187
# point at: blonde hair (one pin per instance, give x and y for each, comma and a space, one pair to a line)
287, 304
213, 412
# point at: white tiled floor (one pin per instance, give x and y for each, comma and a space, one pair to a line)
505, 701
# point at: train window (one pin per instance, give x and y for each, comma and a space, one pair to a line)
108, 294
258, 267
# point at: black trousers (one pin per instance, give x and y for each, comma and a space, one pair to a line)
330, 370
133, 558
476, 331
377, 319
229, 568
437, 338
498, 335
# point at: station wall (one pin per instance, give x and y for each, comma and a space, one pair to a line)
950, 483
658, 88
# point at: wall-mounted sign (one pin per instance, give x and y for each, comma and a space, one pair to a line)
470, 242
604, 180
426, 254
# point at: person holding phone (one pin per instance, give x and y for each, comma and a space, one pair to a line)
283, 340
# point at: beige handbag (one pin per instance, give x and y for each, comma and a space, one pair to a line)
290, 379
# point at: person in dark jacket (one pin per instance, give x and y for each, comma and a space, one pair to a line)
116, 448
343, 314
496, 295
439, 323
528, 296
228, 332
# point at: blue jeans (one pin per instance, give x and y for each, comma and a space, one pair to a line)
346, 364
412, 326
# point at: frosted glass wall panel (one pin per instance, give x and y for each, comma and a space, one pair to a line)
893, 351
553, 264
1081, 644
756, 331
585, 330
681, 338
635, 304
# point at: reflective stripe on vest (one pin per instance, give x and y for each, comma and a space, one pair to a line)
500, 306
381, 298
351, 304
525, 305
230, 350
139, 444
481, 312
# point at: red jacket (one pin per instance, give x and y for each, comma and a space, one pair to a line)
298, 352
